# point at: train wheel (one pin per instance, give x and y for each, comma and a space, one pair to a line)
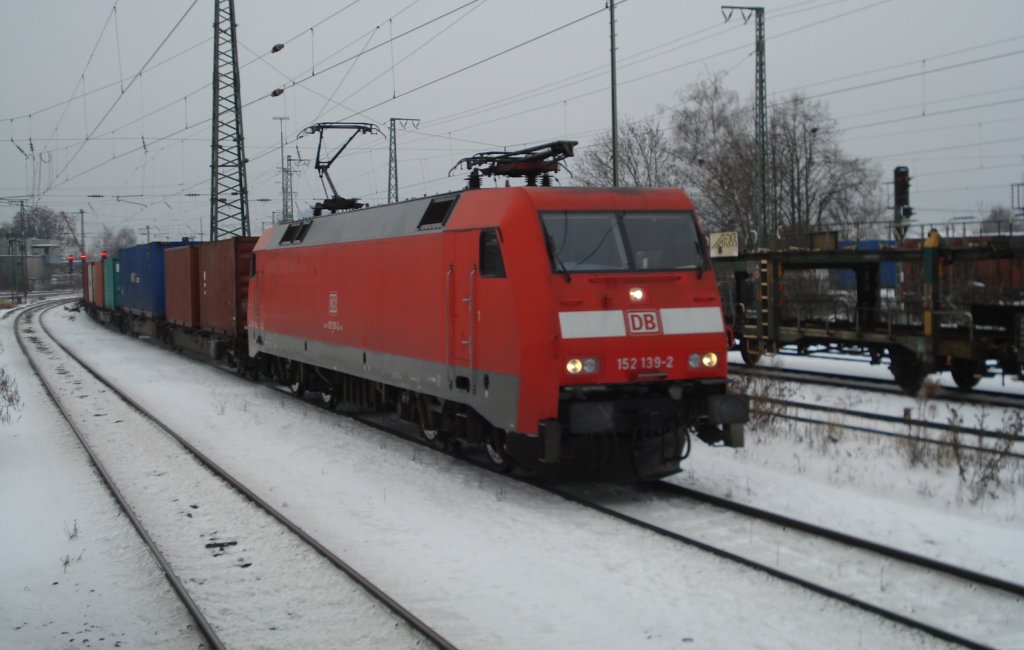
296, 383
495, 448
329, 397
907, 370
750, 357
967, 374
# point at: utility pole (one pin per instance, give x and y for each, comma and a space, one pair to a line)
81, 230
403, 122
766, 233
615, 99
285, 207
229, 195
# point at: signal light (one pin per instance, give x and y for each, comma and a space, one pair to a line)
901, 183
82, 257
103, 255
71, 261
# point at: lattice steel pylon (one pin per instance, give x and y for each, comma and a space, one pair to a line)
393, 153
229, 195
766, 228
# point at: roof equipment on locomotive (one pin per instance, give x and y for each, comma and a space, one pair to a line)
334, 202
541, 160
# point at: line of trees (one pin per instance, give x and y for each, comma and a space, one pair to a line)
40, 222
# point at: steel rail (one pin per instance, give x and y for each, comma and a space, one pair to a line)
376, 592
204, 626
905, 436
881, 417
843, 538
978, 397
764, 568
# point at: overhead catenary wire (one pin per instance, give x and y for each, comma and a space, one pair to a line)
120, 96
460, 128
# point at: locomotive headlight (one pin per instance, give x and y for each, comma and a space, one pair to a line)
584, 366
707, 360
637, 294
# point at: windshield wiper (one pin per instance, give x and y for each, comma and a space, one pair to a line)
558, 260
703, 263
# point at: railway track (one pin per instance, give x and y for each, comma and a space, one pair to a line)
199, 522
905, 427
942, 600
975, 396
923, 594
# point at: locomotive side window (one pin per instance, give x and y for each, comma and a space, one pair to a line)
582, 242
295, 232
491, 263
436, 214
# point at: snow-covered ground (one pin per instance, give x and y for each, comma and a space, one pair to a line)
487, 562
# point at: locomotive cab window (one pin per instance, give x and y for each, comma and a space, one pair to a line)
582, 242
491, 263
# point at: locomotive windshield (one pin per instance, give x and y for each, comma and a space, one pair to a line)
586, 242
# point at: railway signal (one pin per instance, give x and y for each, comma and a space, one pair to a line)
901, 201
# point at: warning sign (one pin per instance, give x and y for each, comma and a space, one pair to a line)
724, 244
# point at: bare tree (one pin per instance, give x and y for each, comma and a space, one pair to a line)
112, 242
714, 152
997, 221
813, 184
37, 222
645, 158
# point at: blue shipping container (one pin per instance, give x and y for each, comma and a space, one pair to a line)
142, 278
888, 272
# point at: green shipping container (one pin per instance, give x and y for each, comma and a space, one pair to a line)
112, 283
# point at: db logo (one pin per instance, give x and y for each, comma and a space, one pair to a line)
642, 322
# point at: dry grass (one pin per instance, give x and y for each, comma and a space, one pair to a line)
10, 399
981, 471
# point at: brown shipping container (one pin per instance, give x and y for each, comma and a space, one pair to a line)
86, 297
224, 284
181, 285
96, 280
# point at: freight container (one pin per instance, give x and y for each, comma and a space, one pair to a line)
96, 289
86, 296
181, 285
111, 283
142, 278
224, 284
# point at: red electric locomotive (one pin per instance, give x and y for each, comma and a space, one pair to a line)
574, 331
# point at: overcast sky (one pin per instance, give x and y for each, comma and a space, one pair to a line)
935, 85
